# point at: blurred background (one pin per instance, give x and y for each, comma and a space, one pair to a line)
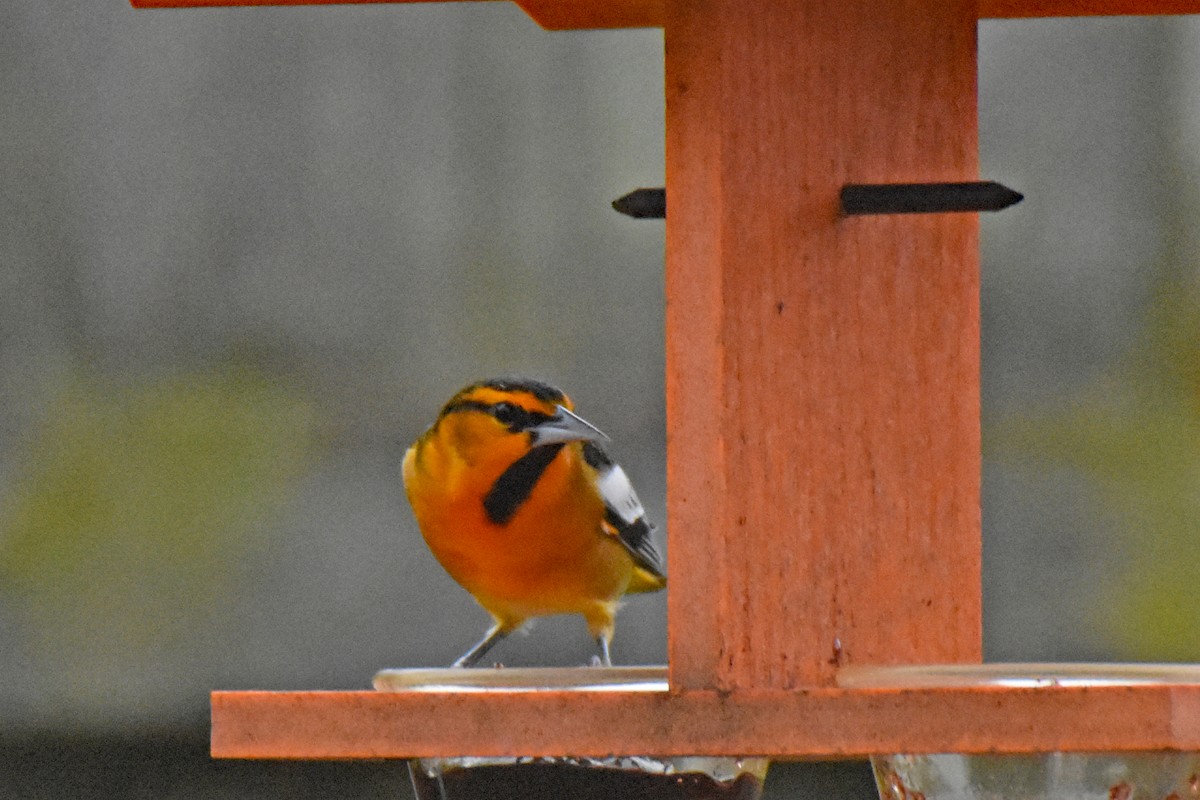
245, 254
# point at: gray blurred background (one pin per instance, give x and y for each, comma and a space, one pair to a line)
246, 253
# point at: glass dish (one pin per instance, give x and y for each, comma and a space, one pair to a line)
1134, 775
628, 778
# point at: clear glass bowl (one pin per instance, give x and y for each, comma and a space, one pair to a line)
1033, 776
1039, 776
615, 778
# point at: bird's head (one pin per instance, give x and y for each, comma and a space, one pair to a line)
506, 417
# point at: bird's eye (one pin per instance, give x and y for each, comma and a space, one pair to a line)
514, 417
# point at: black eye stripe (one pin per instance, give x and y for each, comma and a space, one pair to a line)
514, 416
510, 415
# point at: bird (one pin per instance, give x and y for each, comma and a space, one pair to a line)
520, 504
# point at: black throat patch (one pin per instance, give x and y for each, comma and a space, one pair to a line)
513, 486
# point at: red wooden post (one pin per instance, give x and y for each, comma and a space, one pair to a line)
822, 373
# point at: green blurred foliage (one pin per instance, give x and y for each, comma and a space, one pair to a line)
137, 504
1137, 434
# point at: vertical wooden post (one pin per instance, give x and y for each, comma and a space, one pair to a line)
822, 372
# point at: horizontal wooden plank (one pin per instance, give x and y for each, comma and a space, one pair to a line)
814, 723
1084, 8
568, 14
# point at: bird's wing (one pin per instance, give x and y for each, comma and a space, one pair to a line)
623, 511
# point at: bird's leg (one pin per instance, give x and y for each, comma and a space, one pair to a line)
472, 656
603, 659
600, 625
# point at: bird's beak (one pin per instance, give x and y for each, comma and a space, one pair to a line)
565, 426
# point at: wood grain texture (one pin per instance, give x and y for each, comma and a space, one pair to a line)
815, 723
822, 373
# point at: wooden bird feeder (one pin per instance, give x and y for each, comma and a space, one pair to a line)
823, 428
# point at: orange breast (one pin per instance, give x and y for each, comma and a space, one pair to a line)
550, 558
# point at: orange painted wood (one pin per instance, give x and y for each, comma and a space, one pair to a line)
821, 723
823, 452
1084, 8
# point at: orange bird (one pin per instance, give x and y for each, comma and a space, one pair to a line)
523, 508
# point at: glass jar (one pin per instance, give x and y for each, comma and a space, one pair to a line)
1132, 775
626, 778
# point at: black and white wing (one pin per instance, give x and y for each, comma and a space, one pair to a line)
623, 510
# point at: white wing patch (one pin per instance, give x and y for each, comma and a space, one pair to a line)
624, 516
619, 495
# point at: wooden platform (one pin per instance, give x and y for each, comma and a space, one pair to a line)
807, 723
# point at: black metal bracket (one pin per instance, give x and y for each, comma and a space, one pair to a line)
866, 198
643, 204
926, 198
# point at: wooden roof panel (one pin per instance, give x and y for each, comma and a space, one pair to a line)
585, 14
